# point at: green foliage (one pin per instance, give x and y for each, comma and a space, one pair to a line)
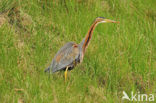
119, 57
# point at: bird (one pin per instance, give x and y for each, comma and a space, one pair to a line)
72, 53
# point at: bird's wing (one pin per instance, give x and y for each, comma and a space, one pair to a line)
65, 56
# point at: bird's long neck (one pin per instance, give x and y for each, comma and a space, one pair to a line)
88, 37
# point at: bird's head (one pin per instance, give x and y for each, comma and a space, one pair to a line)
104, 20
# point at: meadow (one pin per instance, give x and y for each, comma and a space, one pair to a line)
120, 57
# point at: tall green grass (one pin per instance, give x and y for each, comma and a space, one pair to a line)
121, 57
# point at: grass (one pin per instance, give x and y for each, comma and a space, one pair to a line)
121, 57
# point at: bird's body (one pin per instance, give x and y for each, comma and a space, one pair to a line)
61, 60
72, 57
71, 53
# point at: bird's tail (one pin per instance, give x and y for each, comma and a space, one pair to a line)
47, 69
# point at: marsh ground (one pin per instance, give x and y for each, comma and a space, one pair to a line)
119, 58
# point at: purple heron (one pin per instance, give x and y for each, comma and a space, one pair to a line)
71, 53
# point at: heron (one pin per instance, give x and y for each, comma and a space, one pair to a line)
71, 53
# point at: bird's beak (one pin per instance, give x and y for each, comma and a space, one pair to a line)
110, 21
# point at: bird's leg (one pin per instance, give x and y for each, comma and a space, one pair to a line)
65, 74
74, 62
